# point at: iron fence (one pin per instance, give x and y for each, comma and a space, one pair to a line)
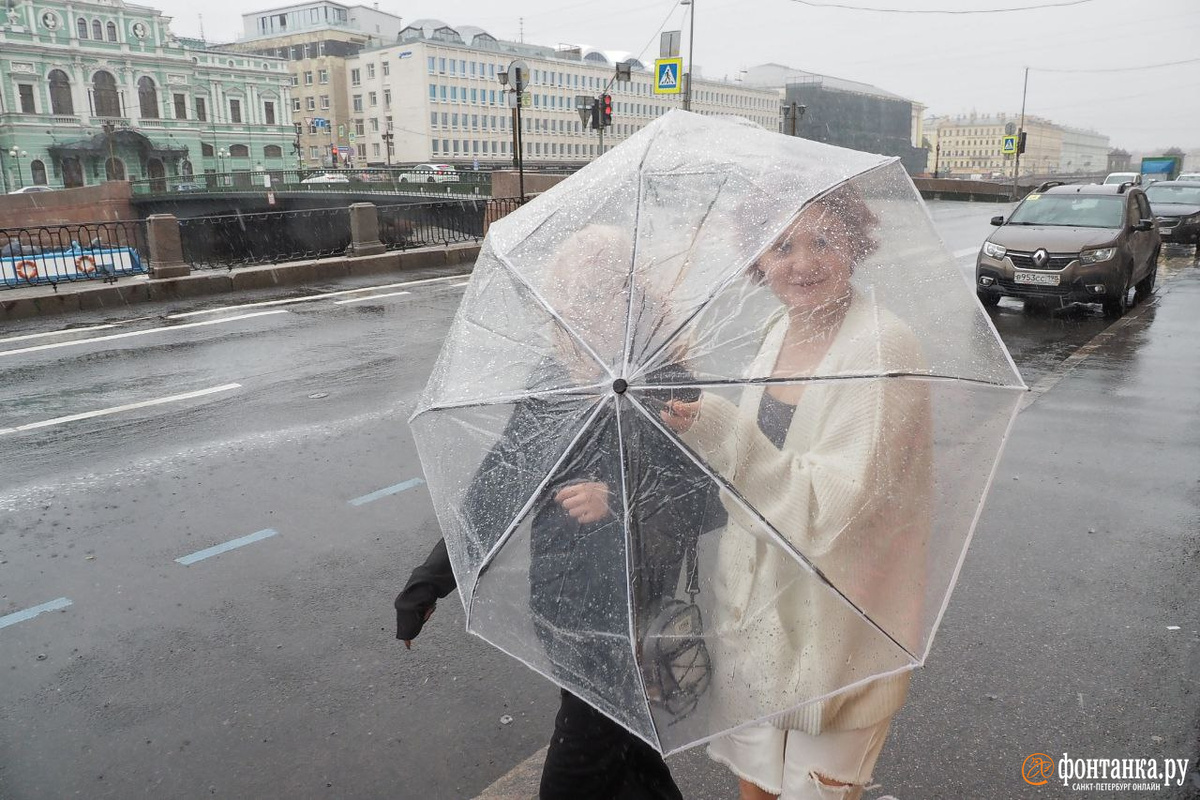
53, 254
426, 224
423, 180
234, 240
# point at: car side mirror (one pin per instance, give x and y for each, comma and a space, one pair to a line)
1144, 225
998, 220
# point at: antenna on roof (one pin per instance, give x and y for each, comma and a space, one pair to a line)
521, 34
201, 18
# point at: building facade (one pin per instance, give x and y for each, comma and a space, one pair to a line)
437, 91
316, 39
1084, 152
971, 145
102, 90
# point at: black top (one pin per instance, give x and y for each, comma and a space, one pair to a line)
774, 419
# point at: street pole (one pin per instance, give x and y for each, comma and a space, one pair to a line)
520, 154
1020, 135
687, 98
937, 157
794, 105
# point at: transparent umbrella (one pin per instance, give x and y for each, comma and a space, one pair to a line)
710, 432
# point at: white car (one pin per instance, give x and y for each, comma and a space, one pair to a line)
430, 173
327, 177
1188, 176
31, 189
1124, 177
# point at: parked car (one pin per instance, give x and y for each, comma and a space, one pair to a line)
32, 189
1188, 176
189, 186
1084, 243
326, 177
1176, 206
430, 173
1124, 177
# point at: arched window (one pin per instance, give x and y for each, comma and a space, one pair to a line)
185, 168
60, 94
114, 170
239, 151
272, 151
104, 95
206, 150
97, 30
37, 170
81, 27
147, 98
112, 31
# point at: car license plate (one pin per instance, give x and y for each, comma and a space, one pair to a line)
1037, 278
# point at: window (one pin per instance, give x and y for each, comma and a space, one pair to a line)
387, 68
374, 124
322, 76
308, 78
370, 70
435, 146
433, 119
442, 66
147, 98
444, 117
60, 93
310, 103
239, 151
442, 92
324, 102
314, 151
81, 28
431, 65
387, 122
453, 94
25, 90
475, 121
433, 91
295, 80
387, 98
358, 127
272, 151
180, 106
453, 67
355, 77
375, 149
362, 151
269, 113
372, 99
112, 31
474, 93
235, 113
97, 30
295, 104
357, 103
454, 120
202, 110
206, 150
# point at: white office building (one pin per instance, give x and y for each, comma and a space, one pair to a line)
301, 17
437, 90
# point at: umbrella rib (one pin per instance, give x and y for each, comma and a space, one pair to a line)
512, 398
637, 220
779, 538
633, 638
769, 381
503, 259
486, 561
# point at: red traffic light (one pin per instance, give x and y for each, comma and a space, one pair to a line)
607, 109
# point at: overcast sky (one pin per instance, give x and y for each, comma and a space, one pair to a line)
951, 63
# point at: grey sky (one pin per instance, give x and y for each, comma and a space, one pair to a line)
952, 64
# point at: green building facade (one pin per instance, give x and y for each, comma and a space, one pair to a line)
102, 90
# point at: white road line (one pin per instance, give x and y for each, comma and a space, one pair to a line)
62, 332
365, 299
113, 336
966, 251
104, 412
459, 285
308, 298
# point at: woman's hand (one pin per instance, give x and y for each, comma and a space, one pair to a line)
680, 415
585, 502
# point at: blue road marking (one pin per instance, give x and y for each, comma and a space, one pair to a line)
232, 544
386, 491
30, 613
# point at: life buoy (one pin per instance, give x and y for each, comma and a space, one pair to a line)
27, 270
85, 264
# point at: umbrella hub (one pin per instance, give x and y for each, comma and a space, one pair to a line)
620, 385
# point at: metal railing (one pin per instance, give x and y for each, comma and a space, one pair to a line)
234, 240
426, 224
382, 181
53, 254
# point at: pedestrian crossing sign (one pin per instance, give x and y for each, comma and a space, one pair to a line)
667, 73
1009, 145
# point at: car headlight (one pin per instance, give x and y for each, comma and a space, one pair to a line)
1097, 255
1194, 219
993, 250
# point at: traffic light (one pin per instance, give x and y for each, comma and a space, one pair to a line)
595, 118
1021, 142
606, 109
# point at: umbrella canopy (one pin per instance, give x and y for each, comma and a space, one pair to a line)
722, 341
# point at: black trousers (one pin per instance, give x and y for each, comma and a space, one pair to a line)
593, 758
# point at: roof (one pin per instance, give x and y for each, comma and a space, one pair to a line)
781, 75
1088, 188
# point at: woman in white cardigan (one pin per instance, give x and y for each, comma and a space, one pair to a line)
841, 469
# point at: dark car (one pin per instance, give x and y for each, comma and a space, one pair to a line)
1176, 207
1086, 243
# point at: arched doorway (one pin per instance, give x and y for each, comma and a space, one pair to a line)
114, 170
37, 171
157, 174
72, 172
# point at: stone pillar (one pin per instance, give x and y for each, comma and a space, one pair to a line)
364, 231
166, 247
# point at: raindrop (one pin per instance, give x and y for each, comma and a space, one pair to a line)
506, 720
318, 395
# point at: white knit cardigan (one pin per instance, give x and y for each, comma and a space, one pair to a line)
850, 490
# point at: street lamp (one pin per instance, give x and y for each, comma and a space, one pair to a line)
222, 154
17, 154
517, 75
687, 98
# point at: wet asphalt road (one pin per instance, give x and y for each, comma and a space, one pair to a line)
270, 670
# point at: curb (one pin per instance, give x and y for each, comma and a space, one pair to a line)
37, 301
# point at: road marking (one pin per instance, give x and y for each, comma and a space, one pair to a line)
232, 544
366, 299
114, 336
62, 332
104, 412
385, 492
30, 613
966, 251
308, 298
459, 285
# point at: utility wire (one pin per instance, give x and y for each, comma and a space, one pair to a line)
955, 11
1121, 69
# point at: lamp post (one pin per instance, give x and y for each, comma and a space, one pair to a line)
17, 154
687, 97
517, 75
222, 154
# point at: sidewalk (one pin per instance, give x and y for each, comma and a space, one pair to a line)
1075, 627
94, 295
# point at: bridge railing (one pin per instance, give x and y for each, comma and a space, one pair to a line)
53, 254
382, 180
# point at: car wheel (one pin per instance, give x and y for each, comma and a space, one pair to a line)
1116, 305
1145, 287
403, 179
988, 299
431, 179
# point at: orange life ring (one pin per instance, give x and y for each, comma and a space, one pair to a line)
85, 264
27, 270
